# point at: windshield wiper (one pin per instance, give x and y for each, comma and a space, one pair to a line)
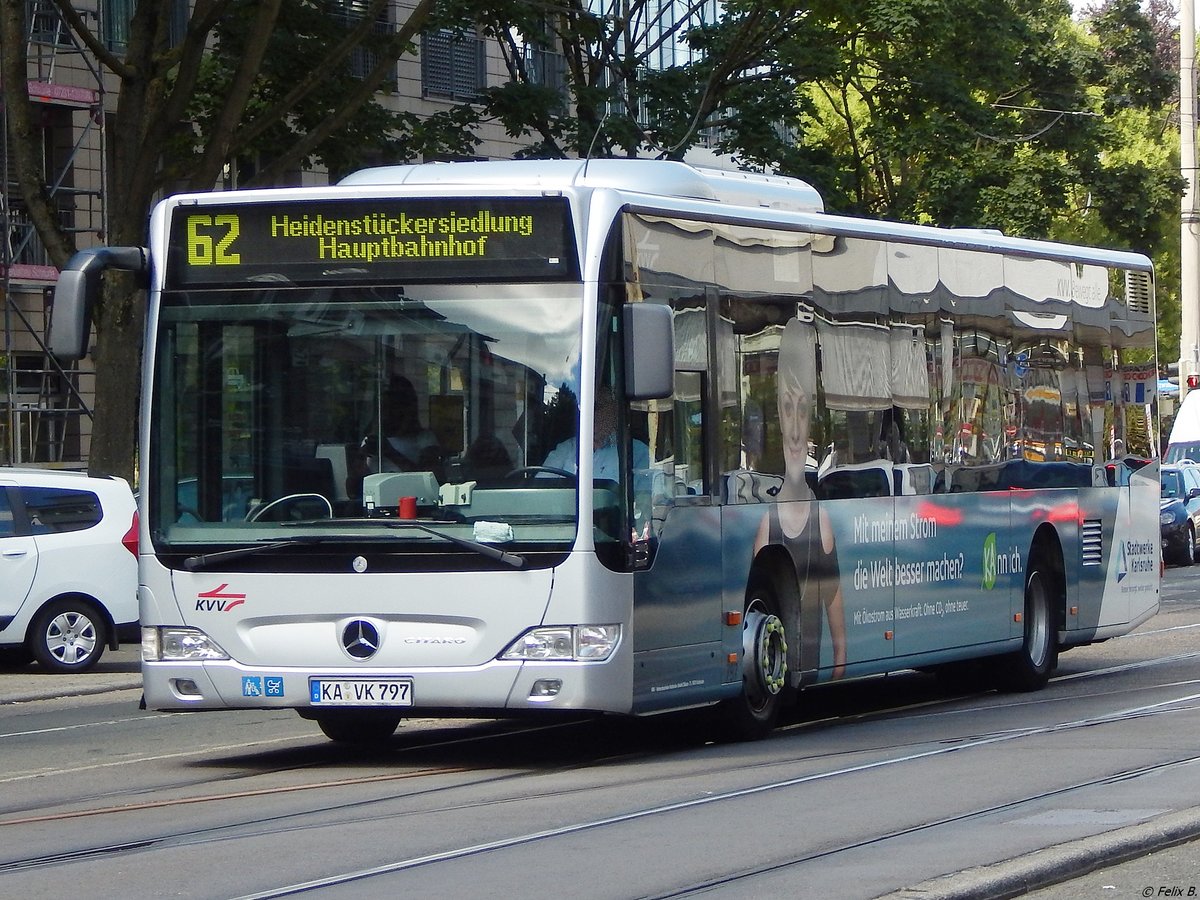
510, 559
192, 563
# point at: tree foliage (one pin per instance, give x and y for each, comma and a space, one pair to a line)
639, 77
984, 113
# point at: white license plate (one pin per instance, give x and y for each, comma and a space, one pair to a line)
361, 691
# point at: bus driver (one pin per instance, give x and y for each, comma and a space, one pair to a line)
606, 462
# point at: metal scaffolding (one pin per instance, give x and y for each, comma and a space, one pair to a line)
45, 418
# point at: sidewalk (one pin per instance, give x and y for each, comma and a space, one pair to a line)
1156, 858
117, 671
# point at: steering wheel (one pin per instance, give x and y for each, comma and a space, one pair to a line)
528, 471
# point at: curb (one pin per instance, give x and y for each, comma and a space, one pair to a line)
51, 691
1052, 865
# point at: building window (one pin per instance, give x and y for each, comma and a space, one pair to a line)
452, 65
364, 58
545, 67
119, 13
46, 26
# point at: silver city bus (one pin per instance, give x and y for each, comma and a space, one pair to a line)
620, 436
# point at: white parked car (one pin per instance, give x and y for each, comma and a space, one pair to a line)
68, 567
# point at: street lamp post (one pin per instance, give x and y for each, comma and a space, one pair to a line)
1189, 284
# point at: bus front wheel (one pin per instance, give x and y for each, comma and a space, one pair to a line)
1030, 667
753, 714
359, 728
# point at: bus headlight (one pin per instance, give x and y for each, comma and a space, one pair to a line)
565, 643
178, 645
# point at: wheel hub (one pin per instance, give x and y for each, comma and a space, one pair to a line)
764, 656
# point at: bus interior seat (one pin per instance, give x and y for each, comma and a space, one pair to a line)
337, 454
308, 475
749, 486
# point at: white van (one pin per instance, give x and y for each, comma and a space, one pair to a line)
68, 563
1184, 442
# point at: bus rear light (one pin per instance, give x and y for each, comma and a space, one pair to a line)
733, 617
1017, 617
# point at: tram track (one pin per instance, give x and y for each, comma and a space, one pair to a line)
421, 744
774, 867
460, 853
472, 753
357, 811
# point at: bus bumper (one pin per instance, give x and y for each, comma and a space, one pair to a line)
501, 686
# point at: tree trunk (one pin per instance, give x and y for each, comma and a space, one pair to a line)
118, 359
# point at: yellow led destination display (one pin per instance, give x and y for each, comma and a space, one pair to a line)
319, 242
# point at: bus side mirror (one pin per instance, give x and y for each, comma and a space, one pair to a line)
76, 294
649, 351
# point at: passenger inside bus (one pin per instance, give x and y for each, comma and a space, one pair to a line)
409, 446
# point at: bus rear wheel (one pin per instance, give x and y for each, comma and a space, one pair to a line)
359, 728
1030, 667
753, 714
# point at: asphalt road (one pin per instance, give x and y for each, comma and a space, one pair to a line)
642, 811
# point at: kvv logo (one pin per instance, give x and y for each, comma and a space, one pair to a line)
217, 600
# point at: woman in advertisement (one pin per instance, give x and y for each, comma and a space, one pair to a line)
795, 521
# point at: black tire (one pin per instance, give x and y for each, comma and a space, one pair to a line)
359, 728
68, 636
1176, 554
1030, 667
754, 712
964, 677
16, 657
1189, 557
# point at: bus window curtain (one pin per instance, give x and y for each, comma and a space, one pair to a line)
855, 364
910, 370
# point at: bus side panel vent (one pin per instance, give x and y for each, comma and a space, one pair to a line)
1091, 542
1138, 292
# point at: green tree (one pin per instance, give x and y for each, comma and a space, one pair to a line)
1130, 196
631, 78
914, 127
260, 81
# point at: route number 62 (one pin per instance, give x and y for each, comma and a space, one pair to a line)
209, 239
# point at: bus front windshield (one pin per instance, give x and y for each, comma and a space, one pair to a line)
419, 413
